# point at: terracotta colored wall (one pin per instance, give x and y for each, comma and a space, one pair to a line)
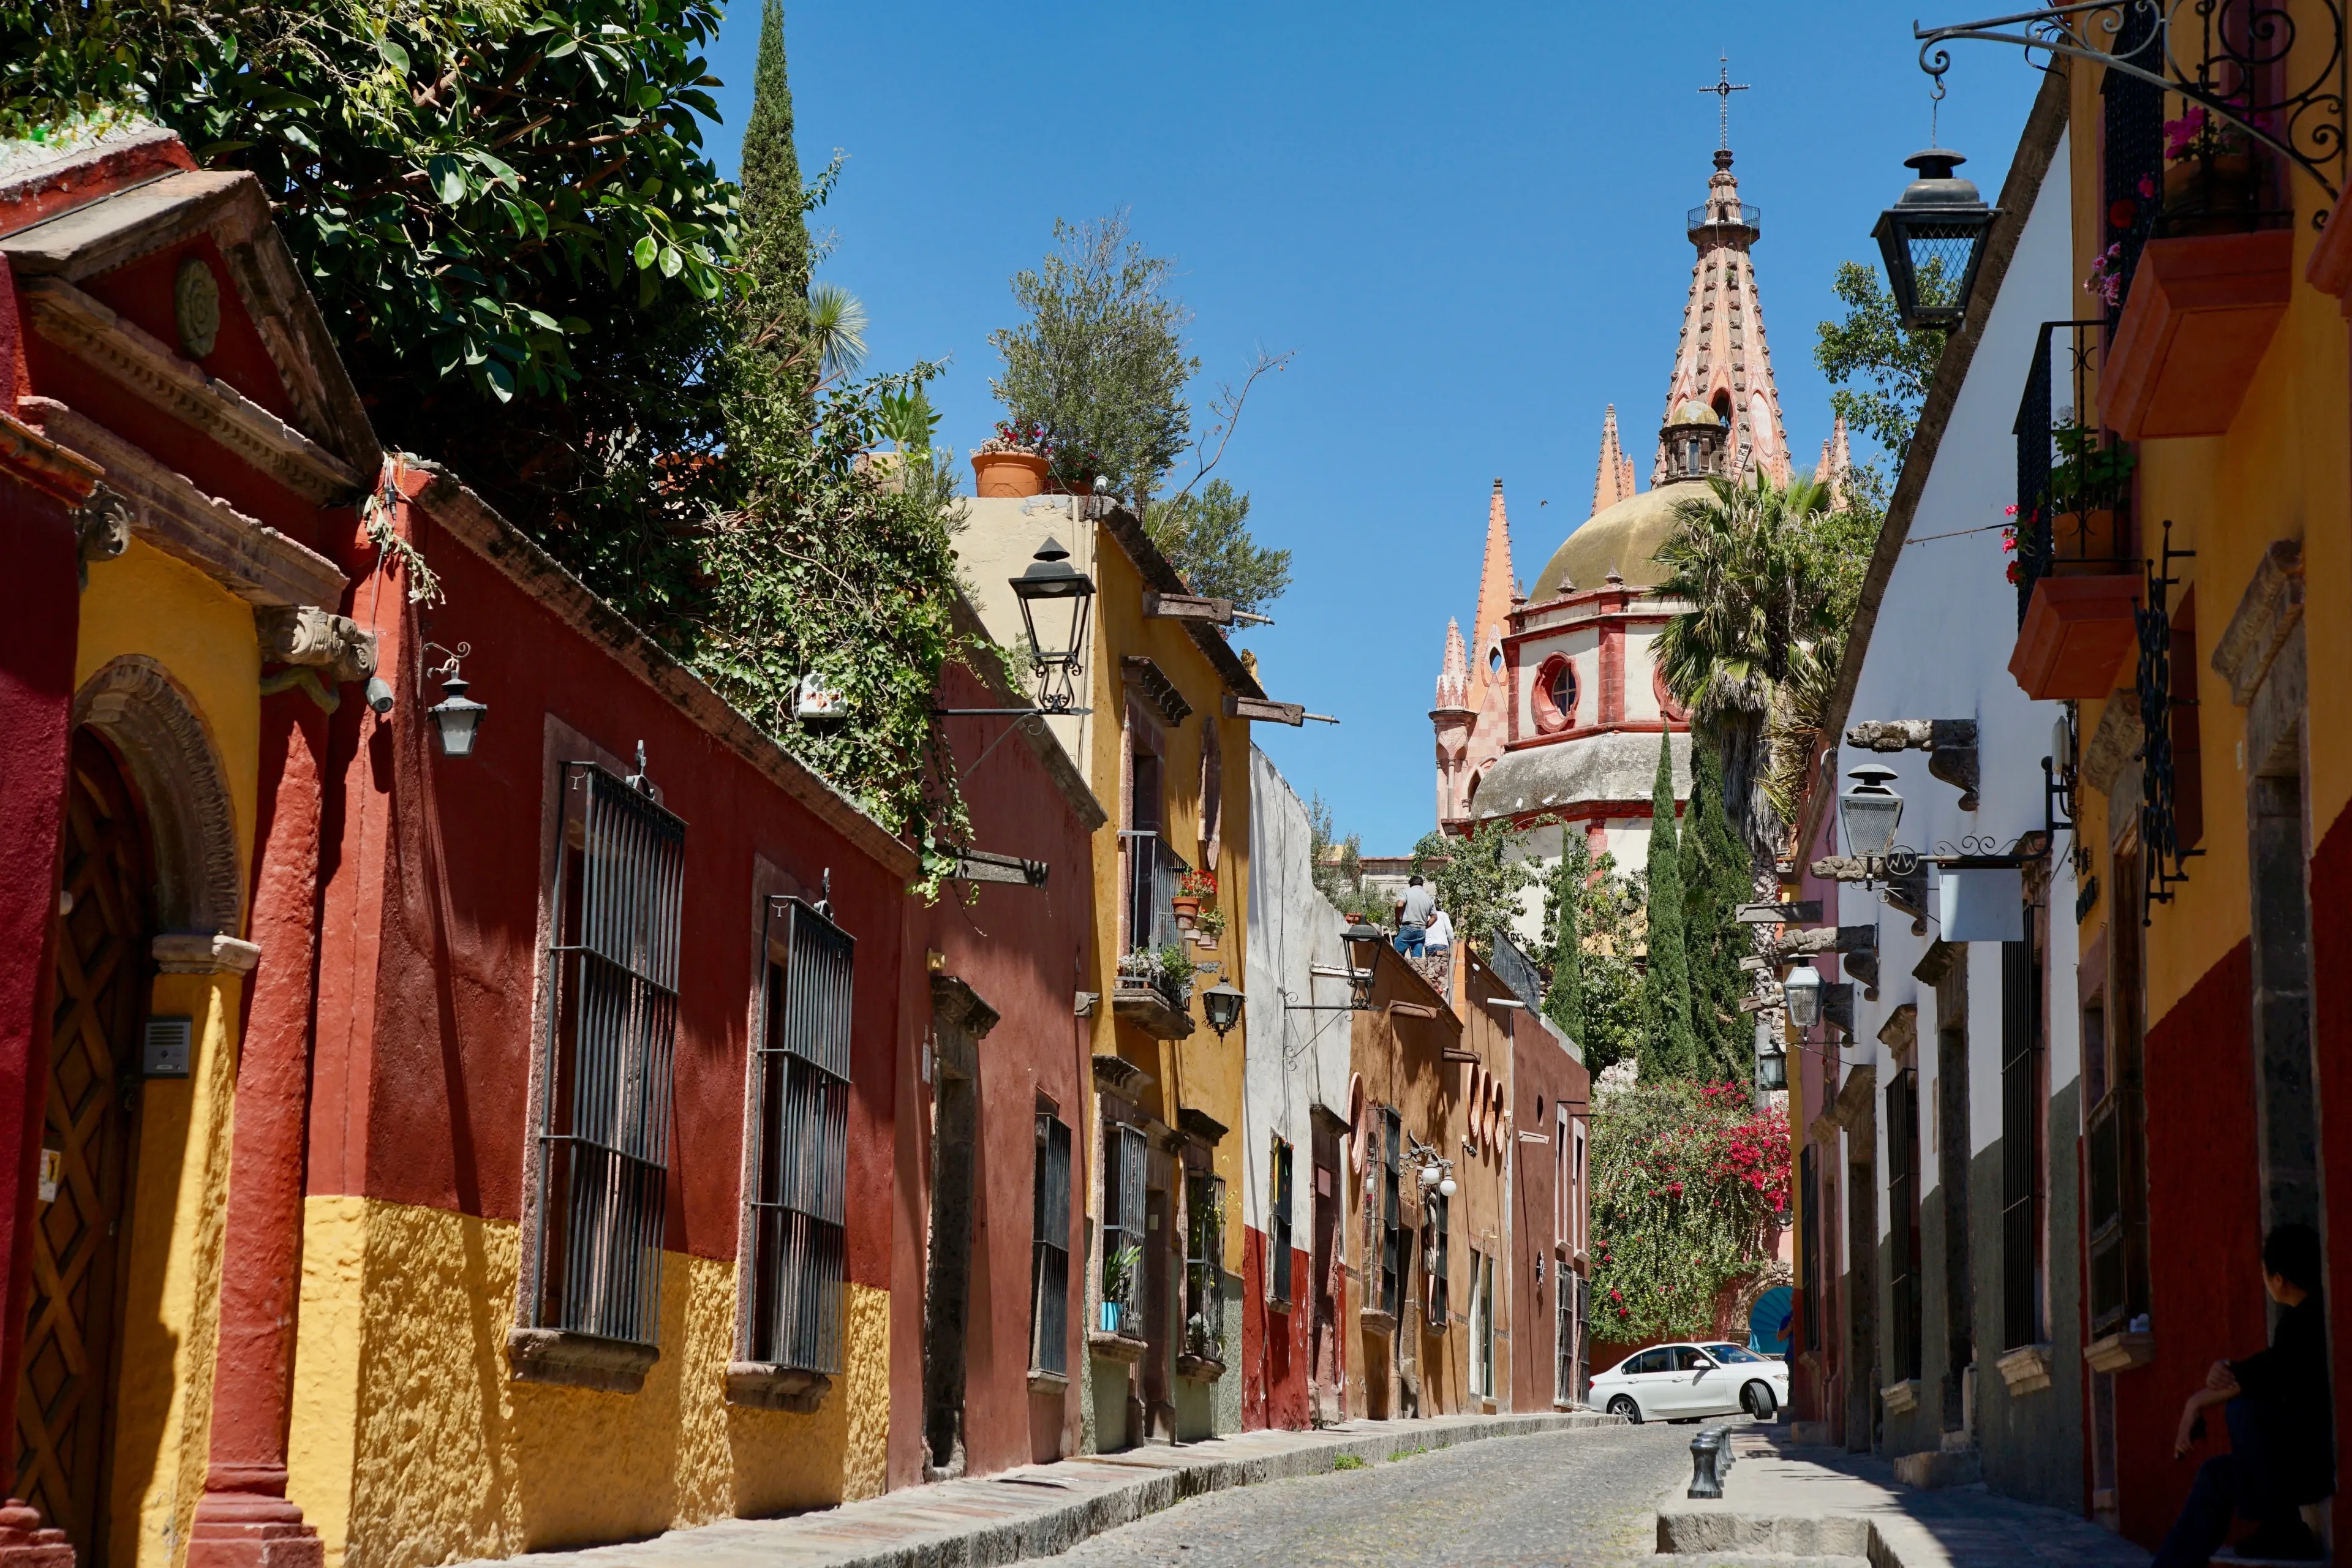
1024, 951
2331, 1018
2206, 1298
1276, 1353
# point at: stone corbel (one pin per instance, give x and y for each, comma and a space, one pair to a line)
2114, 741
1900, 1033
101, 529
203, 953
1950, 746
306, 635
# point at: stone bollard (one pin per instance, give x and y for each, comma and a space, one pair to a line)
1707, 1452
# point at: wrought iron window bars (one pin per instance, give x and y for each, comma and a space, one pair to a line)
2163, 860
2238, 71
612, 1028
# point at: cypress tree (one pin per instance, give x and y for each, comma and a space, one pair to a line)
774, 213
1666, 983
1714, 882
1563, 999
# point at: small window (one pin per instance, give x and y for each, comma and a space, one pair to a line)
1441, 1262
605, 1109
1278, 1224
1554, 697
800, 1121
1391, 1218
1204, 1266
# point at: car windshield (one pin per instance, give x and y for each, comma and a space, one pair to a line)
1732, 1352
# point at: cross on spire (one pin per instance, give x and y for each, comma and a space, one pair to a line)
1723, 89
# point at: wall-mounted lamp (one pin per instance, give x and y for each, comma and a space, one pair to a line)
1061, 597
1803, 993
1869, 813
1931, 240
1772, 1070
456, 716
1364, 942
1222, 1004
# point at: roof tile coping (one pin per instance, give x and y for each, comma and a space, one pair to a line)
472, 522
1158, 573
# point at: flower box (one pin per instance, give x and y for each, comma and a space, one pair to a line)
2198, 319
2077, 633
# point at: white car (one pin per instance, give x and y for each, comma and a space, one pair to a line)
1685, 1381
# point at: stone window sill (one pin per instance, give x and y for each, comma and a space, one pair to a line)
1276, 1304
574, 1360
762, 1386
1901, 1398
2120, 1351
1198, 1368
1043, 1382
1115, 1347
2026, 1369
1374, 1322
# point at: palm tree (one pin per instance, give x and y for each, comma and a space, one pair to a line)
1747, 560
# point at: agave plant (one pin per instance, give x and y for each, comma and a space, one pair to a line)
836, 329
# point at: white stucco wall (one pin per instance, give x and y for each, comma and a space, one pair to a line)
1292, 1061
1939, 650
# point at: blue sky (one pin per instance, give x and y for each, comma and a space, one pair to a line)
1467, 224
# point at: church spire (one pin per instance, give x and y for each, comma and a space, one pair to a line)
1454, 675
1723, 362
1613, 481
1496, 590
1837, 463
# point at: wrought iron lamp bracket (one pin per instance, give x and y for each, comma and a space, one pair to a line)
2316, 108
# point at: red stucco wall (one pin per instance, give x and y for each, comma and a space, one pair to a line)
1275, 1356
1023, 951
430, 941
2204, 1219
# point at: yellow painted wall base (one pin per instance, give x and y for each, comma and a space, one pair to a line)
413, 1445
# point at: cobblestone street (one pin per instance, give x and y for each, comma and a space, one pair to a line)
1575, 1497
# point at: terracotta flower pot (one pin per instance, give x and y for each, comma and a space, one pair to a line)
1188, 910
2210, 196
1012, 474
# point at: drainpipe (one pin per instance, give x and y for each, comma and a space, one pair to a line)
244, 1520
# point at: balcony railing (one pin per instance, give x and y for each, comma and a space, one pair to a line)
2085, 540
1726, 215
1154, 870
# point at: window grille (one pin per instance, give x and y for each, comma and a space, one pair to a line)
605, 1110
1568, 1328
1123, 1222
2021, 1143
1392, 1241
1204, 1266
1278, 1224
1441, 1265
1903, 1216
1810, 1245
1049, 1298
2133, 150
2115, 1196
800, 1120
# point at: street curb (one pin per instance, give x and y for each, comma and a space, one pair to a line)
933, 1525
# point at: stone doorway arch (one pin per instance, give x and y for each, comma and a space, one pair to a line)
169, 752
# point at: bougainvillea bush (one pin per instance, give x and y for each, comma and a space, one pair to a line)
1689, 1184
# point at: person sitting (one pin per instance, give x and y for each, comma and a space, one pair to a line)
1440, 936
2277, 1408
1413, 908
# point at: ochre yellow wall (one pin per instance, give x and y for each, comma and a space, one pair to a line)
411, 1444
147, 603
2283, 470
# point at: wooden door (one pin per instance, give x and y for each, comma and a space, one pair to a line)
65, 1402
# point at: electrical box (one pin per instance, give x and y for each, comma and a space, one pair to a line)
168, 1045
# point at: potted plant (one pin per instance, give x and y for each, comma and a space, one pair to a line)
1118, 1282
2209, 176
1014, 461
1176, 970
1192, 891
2087, 486
1212, 924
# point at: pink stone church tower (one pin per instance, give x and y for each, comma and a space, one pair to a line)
1549, 709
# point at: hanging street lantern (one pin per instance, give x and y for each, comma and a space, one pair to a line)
1364, 943
1931, 240
457, 717
1222, 1004
1869, 813
1772, 1070
1057, 593
1803, 993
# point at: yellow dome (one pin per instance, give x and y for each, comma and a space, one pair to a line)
1624, 539
1691, 411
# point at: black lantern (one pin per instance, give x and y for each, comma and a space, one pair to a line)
1931, 240
1066, 594
1364, 943
1869, 813
1222, 1004
457, 716
1772, 1068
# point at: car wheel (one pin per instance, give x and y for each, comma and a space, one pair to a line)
1757, 1399
1623, 1406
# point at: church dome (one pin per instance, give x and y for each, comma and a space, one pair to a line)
1625, 539
1691, 411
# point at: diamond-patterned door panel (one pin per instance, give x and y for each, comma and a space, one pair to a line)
63, 1403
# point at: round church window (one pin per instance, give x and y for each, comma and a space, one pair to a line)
1554, 695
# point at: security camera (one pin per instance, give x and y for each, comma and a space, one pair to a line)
379, 694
